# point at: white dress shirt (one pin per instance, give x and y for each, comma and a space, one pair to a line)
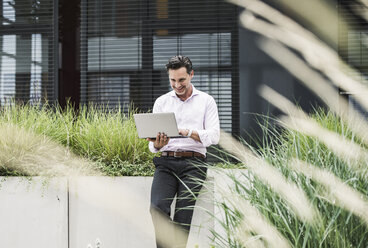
198, 112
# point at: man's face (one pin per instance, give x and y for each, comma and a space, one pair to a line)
180, 81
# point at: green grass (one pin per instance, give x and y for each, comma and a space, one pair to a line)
107, 137
26, 153
337, 227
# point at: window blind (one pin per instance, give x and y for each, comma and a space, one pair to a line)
125, 45
28, 42
353, 44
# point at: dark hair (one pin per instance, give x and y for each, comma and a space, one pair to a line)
178, 62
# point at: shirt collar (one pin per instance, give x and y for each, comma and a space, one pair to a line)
194, 92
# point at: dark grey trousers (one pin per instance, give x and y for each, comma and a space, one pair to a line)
180, 177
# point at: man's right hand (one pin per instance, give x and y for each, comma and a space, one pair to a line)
160, 141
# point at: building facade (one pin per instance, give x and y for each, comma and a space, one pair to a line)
114, 52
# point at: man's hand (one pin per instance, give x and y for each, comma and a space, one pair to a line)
194, 134
160, 141
183, 132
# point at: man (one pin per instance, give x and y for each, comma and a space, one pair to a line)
176, 173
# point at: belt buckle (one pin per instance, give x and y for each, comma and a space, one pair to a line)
176, 156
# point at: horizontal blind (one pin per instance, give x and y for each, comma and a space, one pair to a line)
125, 45
353, 42
27, 41
353, 45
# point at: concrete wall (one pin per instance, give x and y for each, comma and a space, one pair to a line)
33, 213
83, 211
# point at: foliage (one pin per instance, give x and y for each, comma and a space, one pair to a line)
106, 136
337, 227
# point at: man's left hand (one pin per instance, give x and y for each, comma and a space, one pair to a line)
194, 134
183, 132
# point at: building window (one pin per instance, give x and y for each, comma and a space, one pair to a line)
27, 59
125, 45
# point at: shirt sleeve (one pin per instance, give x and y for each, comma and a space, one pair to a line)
211, 133
156, 109
152, 148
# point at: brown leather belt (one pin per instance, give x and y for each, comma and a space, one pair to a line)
184, 154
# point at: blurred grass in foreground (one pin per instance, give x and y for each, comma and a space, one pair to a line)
306, 184
248, 195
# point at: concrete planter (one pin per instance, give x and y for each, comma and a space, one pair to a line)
33, 214
73, 213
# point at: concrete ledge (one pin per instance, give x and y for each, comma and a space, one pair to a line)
74, 213
33, 213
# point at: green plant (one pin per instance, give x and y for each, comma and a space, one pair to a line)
305, 186
109, 136
97, 133
26, 153
252, 193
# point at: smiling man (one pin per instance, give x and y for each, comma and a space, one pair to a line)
177, 169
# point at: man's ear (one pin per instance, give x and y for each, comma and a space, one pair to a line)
191, 74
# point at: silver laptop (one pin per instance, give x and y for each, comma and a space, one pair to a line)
149, 125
